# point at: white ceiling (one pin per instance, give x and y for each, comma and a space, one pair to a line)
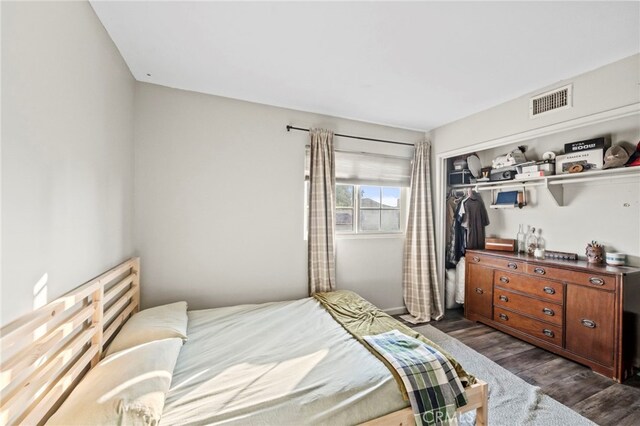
412, 65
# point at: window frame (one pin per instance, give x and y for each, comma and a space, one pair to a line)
356, 232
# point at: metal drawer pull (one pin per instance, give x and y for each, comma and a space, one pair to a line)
504, 280
548, 333
596, 281
476, 259
512, 265
548, 311
549, 290
479, 290
588, 323
504, 298
504, 317
539, 271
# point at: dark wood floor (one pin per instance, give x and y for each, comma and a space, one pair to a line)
595, 397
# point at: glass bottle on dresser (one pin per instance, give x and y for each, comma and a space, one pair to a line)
532, 241
539, 250
520, 238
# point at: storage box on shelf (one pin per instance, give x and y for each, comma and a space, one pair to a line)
589, 160
460, 177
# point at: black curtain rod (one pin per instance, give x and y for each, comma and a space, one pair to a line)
290, 128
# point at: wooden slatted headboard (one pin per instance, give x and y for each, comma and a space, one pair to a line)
46, 352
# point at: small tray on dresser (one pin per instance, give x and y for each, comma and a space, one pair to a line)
560, 255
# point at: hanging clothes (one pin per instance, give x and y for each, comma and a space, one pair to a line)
450, 289
476, 218
452, 204
460, 232
460, 274
470, 220
465, 223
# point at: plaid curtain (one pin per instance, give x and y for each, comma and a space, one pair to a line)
419, 277
322, 207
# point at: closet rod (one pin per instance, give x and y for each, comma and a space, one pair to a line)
290, 128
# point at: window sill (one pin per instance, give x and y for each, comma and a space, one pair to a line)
367, 236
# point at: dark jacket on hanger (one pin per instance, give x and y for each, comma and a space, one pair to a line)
452, 209
478, 219
460, 234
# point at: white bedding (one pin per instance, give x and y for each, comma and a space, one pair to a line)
275, 364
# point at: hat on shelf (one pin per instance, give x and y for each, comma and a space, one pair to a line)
616, 156
634, 159
473, 162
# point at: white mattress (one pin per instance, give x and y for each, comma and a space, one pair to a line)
275, 364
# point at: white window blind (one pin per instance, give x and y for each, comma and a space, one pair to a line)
363, 168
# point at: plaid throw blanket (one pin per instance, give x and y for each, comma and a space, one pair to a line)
434, 389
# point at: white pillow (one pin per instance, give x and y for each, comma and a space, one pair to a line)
161, 322
126, 388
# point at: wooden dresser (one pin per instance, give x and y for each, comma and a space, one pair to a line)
571, 308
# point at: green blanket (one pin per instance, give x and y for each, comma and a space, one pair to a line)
360, 318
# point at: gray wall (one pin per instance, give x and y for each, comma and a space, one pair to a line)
603, 89
219, 203
67, 146
607, 211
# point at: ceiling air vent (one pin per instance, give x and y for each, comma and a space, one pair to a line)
554, 100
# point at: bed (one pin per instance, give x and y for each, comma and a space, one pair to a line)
301, 366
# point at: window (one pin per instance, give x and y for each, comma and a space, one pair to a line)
368, 209
371, 193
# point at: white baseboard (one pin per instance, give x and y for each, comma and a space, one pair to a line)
396, 311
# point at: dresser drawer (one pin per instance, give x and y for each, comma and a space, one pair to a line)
544, 289
595, 280
591, 318
539, 309
479, 288
547, 332
495, 262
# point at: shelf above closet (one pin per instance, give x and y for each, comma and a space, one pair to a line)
555, 183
